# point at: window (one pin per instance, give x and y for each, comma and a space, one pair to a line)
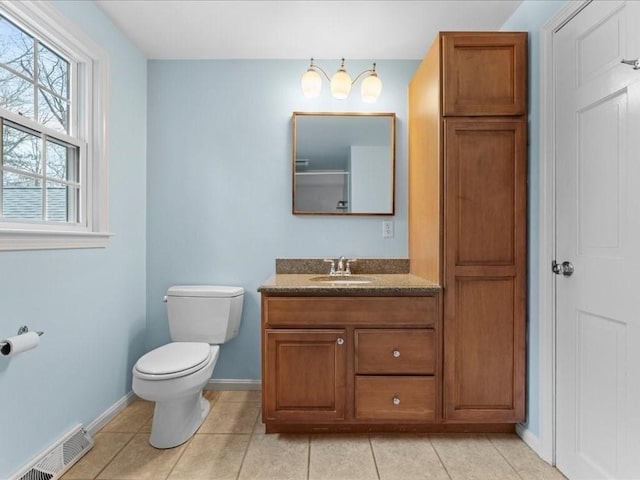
53, 162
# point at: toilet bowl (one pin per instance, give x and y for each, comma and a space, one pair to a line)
174, 375
176, 387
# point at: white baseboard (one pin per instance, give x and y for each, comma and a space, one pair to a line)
110, 413
233, 384
532, 440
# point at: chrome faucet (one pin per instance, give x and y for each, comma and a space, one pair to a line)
343, 268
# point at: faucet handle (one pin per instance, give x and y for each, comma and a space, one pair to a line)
333, 266
349, 262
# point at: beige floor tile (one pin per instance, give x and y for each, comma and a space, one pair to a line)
140, 461
210, 456
472, 457
131, 419
259, 428
281, 457
107, 446
525, 461
231, 417
146, 428
341, 457
407, 457
240, 396
211, 395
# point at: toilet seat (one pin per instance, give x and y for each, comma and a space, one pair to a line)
174, 360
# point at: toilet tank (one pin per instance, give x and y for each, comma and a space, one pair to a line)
204, 313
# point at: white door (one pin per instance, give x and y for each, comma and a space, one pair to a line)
598, 231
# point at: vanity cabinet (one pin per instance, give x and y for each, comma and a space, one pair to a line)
468, 215
349, 363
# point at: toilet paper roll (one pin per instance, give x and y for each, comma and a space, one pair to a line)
20, 343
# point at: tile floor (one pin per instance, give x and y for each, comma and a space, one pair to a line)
231, 444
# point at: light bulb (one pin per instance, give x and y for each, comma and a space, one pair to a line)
340, 84
371, 88
311, 84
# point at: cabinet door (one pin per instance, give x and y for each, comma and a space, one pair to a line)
484, 73
485, 258
304, 375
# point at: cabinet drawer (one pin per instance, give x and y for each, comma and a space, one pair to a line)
340, 311
395, 398
408, 351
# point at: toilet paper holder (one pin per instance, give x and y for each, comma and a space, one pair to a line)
22, 330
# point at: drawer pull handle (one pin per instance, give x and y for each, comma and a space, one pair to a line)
396, 353
396, 400
340, 341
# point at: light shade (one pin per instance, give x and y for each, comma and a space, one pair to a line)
311, 84
340, 85
371, 88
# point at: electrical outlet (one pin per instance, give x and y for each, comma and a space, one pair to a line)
387, 228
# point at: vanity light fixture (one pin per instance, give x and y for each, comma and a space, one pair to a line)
341, 83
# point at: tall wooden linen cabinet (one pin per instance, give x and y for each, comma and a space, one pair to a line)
468, 215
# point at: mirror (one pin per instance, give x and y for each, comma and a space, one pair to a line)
344, 163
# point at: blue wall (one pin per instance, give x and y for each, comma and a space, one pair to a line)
531, 16
219, 173
90, 303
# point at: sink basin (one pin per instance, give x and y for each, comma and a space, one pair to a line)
347, 280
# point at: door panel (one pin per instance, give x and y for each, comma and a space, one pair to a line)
305, 375
598, 231
600, 389
485, 249
601, 175
483, 355
484, 73
485, 190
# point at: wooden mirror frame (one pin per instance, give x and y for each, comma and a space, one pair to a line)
391, 116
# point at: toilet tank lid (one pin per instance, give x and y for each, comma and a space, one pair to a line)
204, 291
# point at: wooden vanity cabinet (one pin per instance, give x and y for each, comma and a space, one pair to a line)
342, 363
468, 215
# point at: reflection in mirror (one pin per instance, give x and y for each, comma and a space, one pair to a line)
343, 163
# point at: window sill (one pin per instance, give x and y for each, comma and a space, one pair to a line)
51, 240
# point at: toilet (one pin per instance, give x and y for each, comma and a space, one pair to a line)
201, 317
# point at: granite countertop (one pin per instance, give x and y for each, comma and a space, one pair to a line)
383, 284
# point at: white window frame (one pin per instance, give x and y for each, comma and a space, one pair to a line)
53, 29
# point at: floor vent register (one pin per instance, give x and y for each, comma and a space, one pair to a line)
53, 463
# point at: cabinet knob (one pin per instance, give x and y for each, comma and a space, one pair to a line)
396, 400
396, 353
340, 341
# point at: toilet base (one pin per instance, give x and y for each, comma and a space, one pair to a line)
175, 421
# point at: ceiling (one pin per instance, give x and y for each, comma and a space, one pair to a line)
290, 29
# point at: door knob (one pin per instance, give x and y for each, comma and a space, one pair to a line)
340, 341
565, 268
